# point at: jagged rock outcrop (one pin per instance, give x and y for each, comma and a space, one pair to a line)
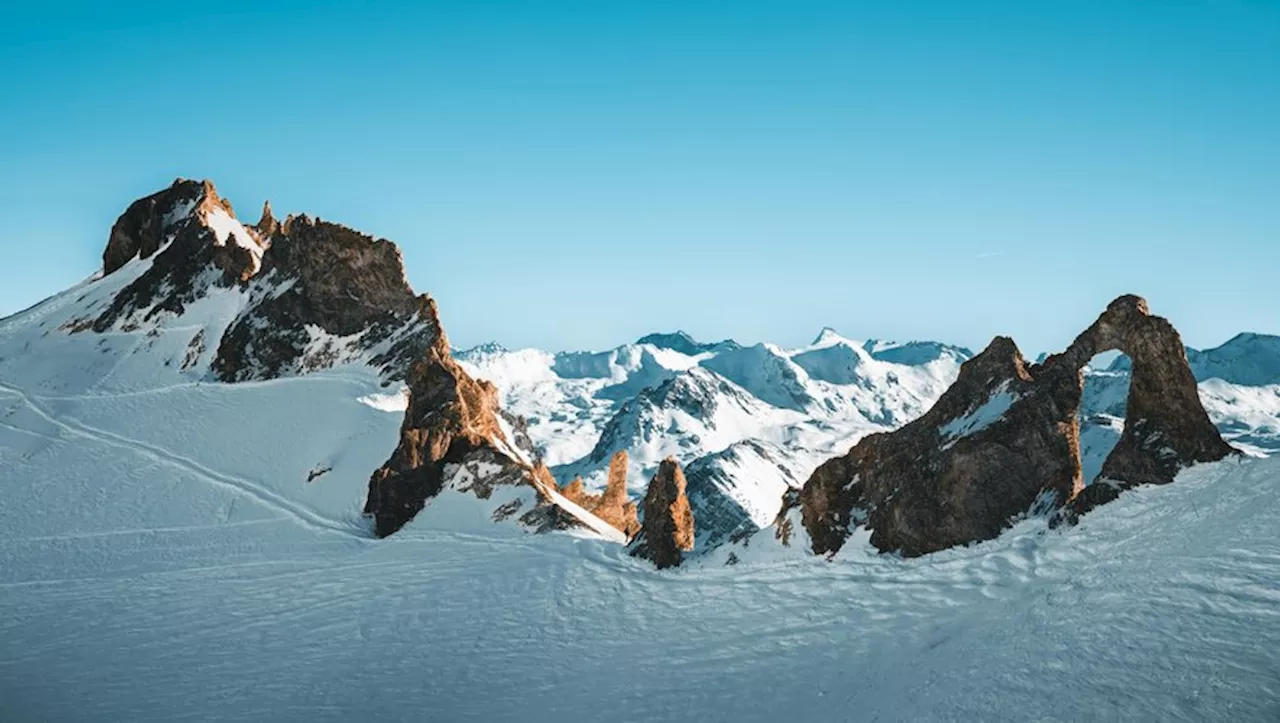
613, 505
1005, 437
311, 294
454, 434
189, 230
450, 419
306, 294
577, 493
995, 441
325, 293
666, 532
267, 225
146, 225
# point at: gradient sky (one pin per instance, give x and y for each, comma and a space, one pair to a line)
573, 175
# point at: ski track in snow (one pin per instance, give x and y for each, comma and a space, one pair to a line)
239, 485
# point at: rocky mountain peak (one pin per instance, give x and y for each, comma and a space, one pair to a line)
827, 336
325, 293
304, 294
666, 532
267, 225
193, 242
684, 343
148, 223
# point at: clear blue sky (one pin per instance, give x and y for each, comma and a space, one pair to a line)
573, 175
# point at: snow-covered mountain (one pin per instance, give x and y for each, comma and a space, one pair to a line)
747, 421
199, 443
282, 354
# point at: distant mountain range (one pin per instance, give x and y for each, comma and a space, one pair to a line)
749, 422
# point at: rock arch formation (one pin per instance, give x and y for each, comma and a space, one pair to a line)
1005, 438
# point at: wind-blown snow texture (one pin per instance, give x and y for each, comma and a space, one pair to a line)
173, 548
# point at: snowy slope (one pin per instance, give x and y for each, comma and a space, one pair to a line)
173, 548
736, 491
80, 410
172, 610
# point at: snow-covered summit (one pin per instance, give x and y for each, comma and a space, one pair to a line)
191, 298
685, 344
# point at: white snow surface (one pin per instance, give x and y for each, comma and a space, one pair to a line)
227, 229
982, 416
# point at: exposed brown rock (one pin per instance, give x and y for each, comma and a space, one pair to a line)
267, 225
317, 294
142, 229
176, 216
1166, 427
575, 492
449, 418
326, 276
452, 427
995, 441
613, 506
667, 530
1005, 436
